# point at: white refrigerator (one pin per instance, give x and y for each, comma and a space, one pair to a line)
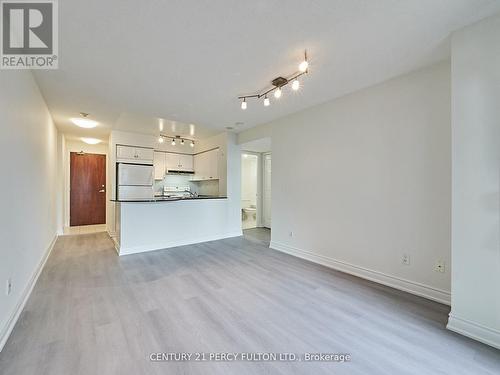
134, 181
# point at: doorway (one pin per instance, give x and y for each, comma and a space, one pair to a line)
249, 190
256, 207
87, 189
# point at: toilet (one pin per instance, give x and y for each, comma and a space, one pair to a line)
250, 212
249, 209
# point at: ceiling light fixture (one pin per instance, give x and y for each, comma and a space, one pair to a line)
91, 141
84, 122
277, 85
173, 142
304, 64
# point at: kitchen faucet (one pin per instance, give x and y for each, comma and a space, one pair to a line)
191, 193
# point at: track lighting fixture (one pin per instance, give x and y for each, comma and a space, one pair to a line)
278, 84
174, 139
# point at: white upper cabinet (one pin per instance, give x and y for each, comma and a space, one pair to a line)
186, 162
137, 155
179, 162
206, 165
159, 165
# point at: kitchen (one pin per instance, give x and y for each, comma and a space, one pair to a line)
171, 191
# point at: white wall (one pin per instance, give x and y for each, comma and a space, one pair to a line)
28, 189
72, 145
476, 182
360, 180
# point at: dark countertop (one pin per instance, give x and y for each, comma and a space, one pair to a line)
168, 199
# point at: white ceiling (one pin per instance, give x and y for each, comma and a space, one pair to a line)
187, 61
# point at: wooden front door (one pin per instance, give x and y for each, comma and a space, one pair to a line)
87, 189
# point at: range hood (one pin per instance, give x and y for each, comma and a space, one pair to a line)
179, 171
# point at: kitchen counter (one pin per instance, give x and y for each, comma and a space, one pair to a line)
168, 199
146, 225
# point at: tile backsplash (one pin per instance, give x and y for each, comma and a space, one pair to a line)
201, 187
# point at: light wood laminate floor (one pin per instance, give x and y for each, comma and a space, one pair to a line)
93, 312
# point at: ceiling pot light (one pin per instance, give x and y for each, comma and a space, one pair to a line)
244, 104
266, 101
295, 84
277, 93
84, 122
91, 141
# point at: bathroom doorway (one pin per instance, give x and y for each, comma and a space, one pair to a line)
256, 206
249, 189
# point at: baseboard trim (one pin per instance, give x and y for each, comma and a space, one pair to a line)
421, 290
115, 242
160, 246
7, 330
486, 335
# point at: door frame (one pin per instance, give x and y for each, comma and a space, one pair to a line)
67, 177
263, 174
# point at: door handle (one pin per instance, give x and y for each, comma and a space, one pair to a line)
102, 191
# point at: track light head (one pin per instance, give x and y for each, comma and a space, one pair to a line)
192, 144
277, 93
295, 84
244, 104
266, 101
160, 139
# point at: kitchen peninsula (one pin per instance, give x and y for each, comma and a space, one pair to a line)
182, 198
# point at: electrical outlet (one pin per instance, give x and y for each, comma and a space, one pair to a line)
405, 259
440, 266
8, 286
